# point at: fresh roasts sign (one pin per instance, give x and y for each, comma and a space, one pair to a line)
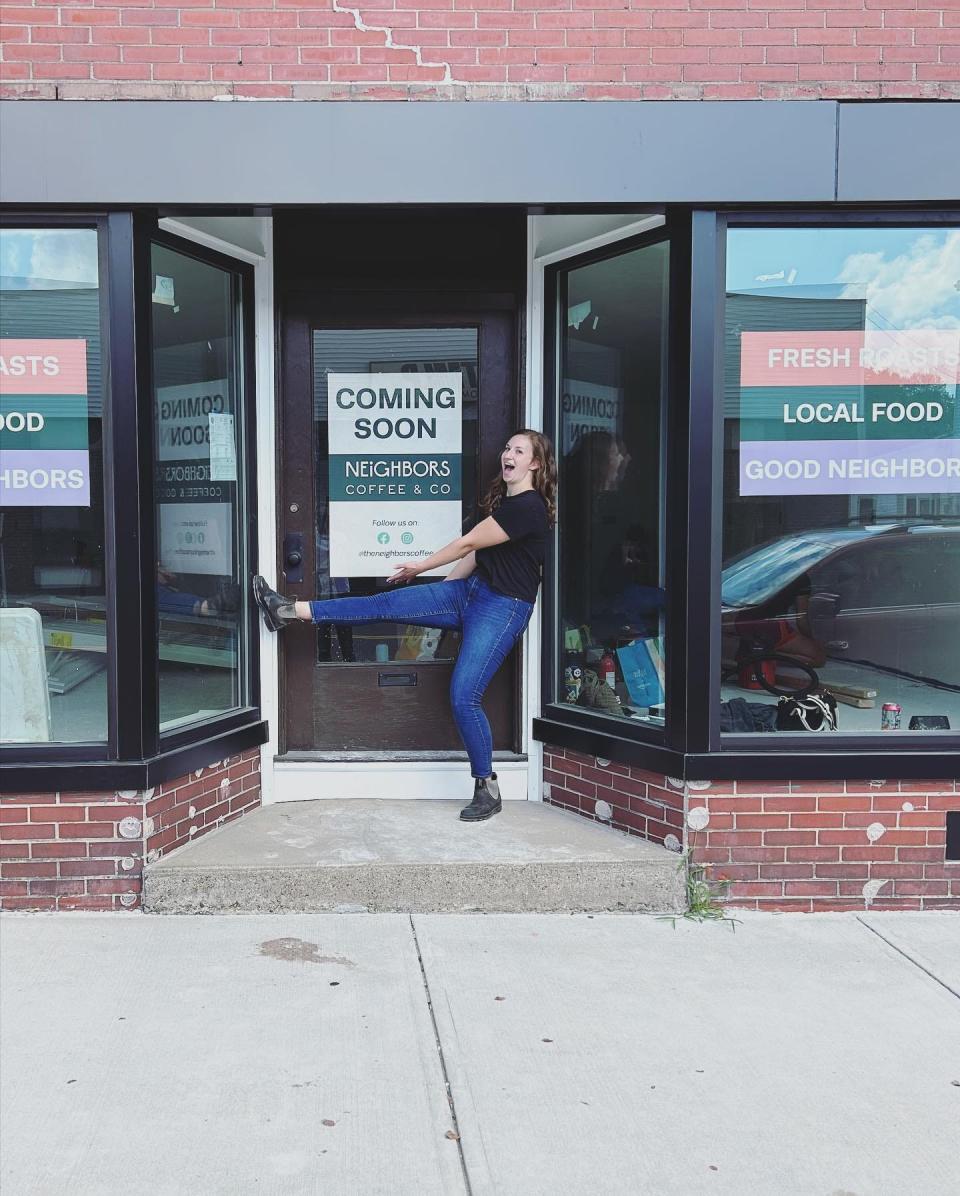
44, 455
395, 468
862, 412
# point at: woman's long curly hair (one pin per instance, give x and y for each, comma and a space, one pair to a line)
545, 478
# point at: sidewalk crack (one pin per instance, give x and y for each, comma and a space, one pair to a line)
443, 1063
910, 959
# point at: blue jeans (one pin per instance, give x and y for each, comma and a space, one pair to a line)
491, 624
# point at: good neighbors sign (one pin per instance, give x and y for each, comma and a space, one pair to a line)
44, 455
868, 412
395, 469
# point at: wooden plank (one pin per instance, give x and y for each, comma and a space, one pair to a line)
850, 700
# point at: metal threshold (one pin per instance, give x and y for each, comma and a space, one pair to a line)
342, 757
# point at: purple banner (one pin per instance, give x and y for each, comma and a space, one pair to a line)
849, 467
44, 478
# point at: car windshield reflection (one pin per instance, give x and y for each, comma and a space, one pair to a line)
758, 574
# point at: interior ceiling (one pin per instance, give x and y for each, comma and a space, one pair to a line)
554, 233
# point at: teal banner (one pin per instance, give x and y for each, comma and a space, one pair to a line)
778, 413
420, 477
43, 421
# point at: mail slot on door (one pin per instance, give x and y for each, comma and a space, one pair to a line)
385, 679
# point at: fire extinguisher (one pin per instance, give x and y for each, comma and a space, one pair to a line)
608, 669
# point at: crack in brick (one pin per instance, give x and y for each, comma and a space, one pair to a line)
389, 43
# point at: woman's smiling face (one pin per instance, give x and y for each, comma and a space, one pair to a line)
518, 465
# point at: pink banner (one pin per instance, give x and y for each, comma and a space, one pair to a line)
912, 357
43, 367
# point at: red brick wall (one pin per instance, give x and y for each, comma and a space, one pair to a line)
792, 845
551, 49
641, 802
71, 851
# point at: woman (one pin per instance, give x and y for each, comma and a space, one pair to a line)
488, 596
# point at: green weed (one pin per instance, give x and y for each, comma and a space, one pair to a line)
703, 897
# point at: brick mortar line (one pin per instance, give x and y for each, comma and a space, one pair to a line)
910, 959
389, 43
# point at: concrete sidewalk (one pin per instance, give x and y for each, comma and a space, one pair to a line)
585, 1054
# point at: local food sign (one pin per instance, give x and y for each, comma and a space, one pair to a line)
395, 469
44, 454
868, 412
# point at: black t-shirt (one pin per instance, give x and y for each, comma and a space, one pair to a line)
513, 568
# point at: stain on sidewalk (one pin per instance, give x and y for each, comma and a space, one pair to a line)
298, 951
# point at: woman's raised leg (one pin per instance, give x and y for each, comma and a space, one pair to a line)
437, 605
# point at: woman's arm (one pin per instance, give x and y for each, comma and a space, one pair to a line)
463, 568
487, 533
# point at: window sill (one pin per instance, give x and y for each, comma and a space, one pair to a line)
593, 737
92, 775
809, 759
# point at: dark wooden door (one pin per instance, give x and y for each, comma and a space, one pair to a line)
383, 687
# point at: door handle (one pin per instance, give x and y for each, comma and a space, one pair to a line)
293, 557
838, 645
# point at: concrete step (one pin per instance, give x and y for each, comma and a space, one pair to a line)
413, 857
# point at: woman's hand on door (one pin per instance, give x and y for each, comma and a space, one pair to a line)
405, 572
487, 533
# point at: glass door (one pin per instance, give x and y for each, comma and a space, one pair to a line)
613, 315
200, 462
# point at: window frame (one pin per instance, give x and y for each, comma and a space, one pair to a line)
135, 754
692, 748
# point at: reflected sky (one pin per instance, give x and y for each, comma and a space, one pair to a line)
50, 258
909, 277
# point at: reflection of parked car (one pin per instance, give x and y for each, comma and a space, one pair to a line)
886, 595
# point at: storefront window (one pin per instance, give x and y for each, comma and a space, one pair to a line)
612, 378
199, 447
53, 612
841, 450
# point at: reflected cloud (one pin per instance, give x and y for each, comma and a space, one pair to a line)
917, 288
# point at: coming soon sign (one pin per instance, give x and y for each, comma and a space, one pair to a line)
395, 469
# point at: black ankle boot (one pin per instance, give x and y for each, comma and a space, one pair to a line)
277, 610
486, 800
